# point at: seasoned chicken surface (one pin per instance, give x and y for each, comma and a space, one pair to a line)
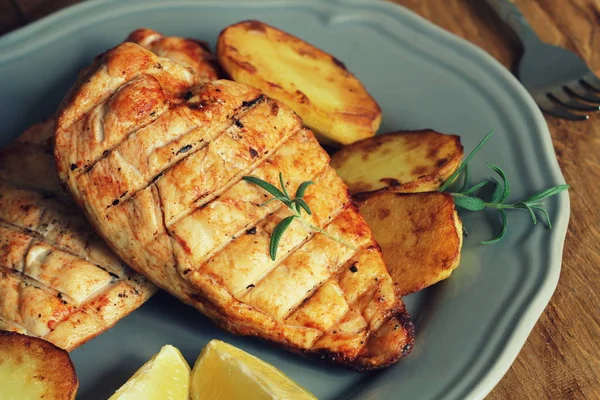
190, 53
58, 280
156, 161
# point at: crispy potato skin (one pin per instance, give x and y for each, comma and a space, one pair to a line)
44, 370
420, 235
316, 85
405, 161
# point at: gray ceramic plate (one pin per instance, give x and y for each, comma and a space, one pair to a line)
470, 327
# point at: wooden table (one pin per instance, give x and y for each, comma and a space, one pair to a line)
561, 359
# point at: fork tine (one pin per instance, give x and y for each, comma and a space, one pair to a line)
556, 110
579, 91
591, 81
563, 98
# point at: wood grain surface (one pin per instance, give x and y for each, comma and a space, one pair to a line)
561, 359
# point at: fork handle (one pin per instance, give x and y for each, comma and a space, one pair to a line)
510, 15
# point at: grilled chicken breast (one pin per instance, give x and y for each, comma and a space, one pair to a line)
58, 280
156, 161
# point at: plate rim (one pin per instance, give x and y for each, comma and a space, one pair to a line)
21, 40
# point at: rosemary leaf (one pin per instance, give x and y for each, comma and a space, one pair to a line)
469, 203
283, 189
527, 207
302, 188
545, 193
466, 179
464, 198
465, 162
277, 233
544, 213
296, 205
475, 188
266, 186
498, 191
303, 204
505, 185
271, 200
503, 230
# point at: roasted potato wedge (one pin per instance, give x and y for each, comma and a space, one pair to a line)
316, 85
420, 235
411, 161
33, 369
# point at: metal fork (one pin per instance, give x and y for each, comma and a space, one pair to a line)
556, 78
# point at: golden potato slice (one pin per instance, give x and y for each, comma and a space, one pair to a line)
411, 161
33, 369
316, 85
420, 235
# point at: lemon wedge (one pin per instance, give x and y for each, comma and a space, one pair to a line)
166, 376
224, 372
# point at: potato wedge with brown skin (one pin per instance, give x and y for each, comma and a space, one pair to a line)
32, 368
316, 85
406, 162
420, 235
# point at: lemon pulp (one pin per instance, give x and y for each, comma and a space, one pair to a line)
224, 372
166, 376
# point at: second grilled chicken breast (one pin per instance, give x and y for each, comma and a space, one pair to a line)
58, 280
156, 162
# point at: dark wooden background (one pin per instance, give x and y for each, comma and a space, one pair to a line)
561, 359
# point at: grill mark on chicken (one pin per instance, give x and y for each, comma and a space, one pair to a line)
114, 269
309, 266
171, 239
147, 101
66, 306
11, 240
241, 214
355, 285
219, 188
34, 261
52, 212
364, 287
372, 281
107, 74
97, 126
223, 263
164, 155
32, 281
11, 326
39, 323
324, 308
298, 307
66, 273
195, 181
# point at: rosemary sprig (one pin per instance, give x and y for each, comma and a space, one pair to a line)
295, 204
465, 198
